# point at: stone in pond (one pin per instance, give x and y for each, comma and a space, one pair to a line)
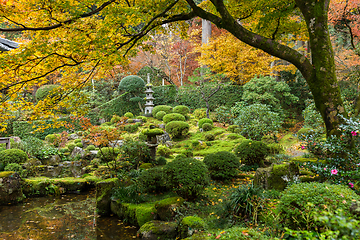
156, 229
10, 188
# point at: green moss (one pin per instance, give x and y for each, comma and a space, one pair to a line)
153, 132
190, 224
145, 166
161, 229
6, 174
144, 213
169, 201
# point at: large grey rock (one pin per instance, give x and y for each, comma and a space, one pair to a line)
116, 143
77, 152
53, 160
10, 188
156, 229
73, 136
277, 176
103, 194
163, 138
90, 155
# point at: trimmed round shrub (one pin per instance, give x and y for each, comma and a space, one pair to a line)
173, 117
115, 119
209, 137
79, 144
71, 146
252, 152
77, 141
131, 128
160, 115
15, 167
188, 177
204, 120
177, 128
165, 108
107, 154
163, 150
13, 156
64, 150
53, 138
152, 180
304, 199
232, 128
90, 148
200, 113
233, 136
44, 91
183, 110
161, 161
207, 127
129, 115
132, 84
222, 165
143, 118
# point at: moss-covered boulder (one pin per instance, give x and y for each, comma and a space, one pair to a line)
277, 176
190, 225
134, 214
103, 194
10, 188
155, 230
166, 208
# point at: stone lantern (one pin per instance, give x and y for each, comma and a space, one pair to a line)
149, 105
151, 140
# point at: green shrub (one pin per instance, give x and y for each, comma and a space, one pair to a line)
304, 132
163, 150
53, 139
129, 115
143, 118
222, 165
71, 146
44, 91
130, 120
161, 161
177, 128
152, 180
207, 127
13, 156
252, 152
64, 150
299, 202
115, 119
136, 152
145, 166
107, 154
188, 153
15, 167
183, 110
209, 137
79, 144
77, 141
132, 84
90, 148
165, 108
275, 148
204, 120
131, 128
257, 120
223, 115
170, 117
200, 113
188, 177
232, 128
233, 136
160, 115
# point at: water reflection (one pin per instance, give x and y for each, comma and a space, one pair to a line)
68, 217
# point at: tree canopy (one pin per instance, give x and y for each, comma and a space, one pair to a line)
79, 40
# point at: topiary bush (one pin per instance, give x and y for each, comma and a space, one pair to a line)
207, 127
173, 117
71, 146
90, 148
132, 83
45, 90
200, 113
152, 180
181, 109
165, 108
107, 154
79, 144
115, 119
209, 137
204, 120
160, 115
252, 152
163, 150
188, 177
300, 202
135, 152
15, 167
129, 115
161, 161
232, 128
222, 165
177, 128
13, 156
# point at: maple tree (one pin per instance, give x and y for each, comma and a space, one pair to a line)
81, 38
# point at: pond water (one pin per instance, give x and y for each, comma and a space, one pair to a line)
69, 216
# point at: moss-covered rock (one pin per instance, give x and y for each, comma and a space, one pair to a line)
103, 194
134, 214
166, 208
10, 188
155, 230
189, 225
276, 176
145, 166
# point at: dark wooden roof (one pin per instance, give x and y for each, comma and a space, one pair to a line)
7, 45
